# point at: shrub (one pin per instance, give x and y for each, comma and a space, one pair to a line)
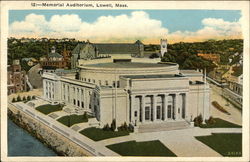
85, 116
28, 98
113, 125
24, 98
123, 127
210, 121
13, 99
198, 120
18, 98
131, 128
106, 127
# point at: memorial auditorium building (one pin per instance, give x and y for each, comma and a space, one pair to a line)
130, 89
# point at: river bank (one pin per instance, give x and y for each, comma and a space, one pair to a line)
55, 141
21, 143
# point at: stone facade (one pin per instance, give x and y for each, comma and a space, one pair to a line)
131, 91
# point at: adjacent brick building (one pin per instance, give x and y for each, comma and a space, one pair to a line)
212, 57
16, 78
56, 60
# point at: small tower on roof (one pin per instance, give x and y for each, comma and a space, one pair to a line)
53, 49
164, 46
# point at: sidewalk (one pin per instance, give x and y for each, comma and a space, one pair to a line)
181, 142
94, 147
236, 115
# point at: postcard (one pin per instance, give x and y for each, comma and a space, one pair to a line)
124, 81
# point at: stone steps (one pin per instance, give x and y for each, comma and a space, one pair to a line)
166, 126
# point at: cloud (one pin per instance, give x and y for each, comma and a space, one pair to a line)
138, 25
121, 28
212, 29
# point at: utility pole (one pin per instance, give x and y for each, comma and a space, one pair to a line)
204, 92
115, 97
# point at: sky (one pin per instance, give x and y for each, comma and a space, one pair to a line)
149, 26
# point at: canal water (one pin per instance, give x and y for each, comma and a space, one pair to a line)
21, 143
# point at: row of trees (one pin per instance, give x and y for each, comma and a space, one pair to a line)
123, 127
19, 50
24, 98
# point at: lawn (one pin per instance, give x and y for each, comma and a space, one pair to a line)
227, 144
46, 109
98, 134
219, 123
149, 148
73, 119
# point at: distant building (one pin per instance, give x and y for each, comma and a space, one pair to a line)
235, 80
212, 57
30, 61
54, 59
16, 78
88, 51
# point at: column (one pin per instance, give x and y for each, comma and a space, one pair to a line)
165, 106
176, 105
132, 108
143, 108
86, 99
49, 90
154, 107
44, 88
66, 93
180, 105
77, 97
128, 108
52, 92
80, 97
185, 104
71, 95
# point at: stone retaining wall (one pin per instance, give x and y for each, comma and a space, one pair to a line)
61, 145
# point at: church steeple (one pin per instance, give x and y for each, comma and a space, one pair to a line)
164, 47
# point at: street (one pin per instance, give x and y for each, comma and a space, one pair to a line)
236, 114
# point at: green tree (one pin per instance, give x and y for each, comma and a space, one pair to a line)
28, 98
113, 125
13, 99
18, 98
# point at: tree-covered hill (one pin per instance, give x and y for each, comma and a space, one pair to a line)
185, 54
19, 50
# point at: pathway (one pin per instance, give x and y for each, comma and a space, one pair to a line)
178, 141
93, 147
181, 142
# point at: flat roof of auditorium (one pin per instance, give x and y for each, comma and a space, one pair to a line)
152, 76
128, 65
